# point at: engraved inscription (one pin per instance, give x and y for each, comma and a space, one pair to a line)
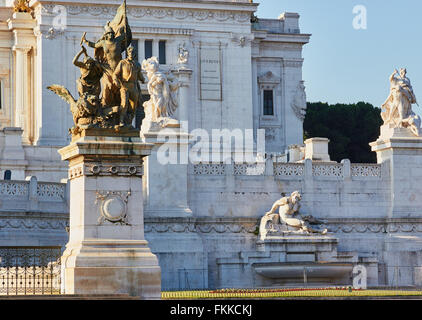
210, 74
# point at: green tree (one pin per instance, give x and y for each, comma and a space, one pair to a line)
350, 128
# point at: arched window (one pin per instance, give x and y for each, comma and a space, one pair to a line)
8, 175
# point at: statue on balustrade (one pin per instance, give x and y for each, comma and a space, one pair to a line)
397, 109
288, 220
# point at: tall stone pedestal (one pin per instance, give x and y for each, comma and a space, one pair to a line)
167, 189
402, 150
107, 252
167, 207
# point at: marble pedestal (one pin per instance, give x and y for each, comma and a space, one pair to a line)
107, 252
402, 151
166, 190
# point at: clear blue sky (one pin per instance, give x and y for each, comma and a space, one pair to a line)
347, 65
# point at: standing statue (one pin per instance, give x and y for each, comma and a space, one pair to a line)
162, 89
108, 50
288, 219
299, 102
183, 55
397, 109
126, 76
108, 87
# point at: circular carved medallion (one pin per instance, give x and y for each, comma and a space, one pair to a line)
113, 208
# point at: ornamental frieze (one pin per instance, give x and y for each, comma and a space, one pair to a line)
158, 13
97, 169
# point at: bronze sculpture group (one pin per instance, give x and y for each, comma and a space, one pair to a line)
108, 87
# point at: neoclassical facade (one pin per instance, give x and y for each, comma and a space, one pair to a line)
257, 65
202, 219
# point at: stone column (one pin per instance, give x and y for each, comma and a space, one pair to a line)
184, 75
166, 183
21, 85
107, 252
22, 25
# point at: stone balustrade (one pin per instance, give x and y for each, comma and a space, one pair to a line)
287, 171
33, 196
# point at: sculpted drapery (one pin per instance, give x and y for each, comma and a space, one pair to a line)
397, 109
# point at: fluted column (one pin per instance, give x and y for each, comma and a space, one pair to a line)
21, 85
184, 76
22, 25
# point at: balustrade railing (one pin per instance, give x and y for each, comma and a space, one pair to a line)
284, 170
32, 195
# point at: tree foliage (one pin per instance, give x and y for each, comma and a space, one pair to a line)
350, 128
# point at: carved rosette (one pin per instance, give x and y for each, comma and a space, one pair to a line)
99, 169
113, 206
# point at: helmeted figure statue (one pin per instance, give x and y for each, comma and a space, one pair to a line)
126, 76
397, 109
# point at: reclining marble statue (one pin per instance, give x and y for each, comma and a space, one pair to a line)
397, 109
288, 220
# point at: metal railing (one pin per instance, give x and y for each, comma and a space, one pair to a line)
30, 270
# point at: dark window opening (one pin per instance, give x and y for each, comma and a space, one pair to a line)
268, 103
148, 49
162, 52
134, 44
8, 175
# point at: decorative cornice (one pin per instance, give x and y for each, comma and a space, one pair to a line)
106, 11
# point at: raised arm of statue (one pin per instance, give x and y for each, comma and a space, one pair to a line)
276, 205
75, 61
91, 44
